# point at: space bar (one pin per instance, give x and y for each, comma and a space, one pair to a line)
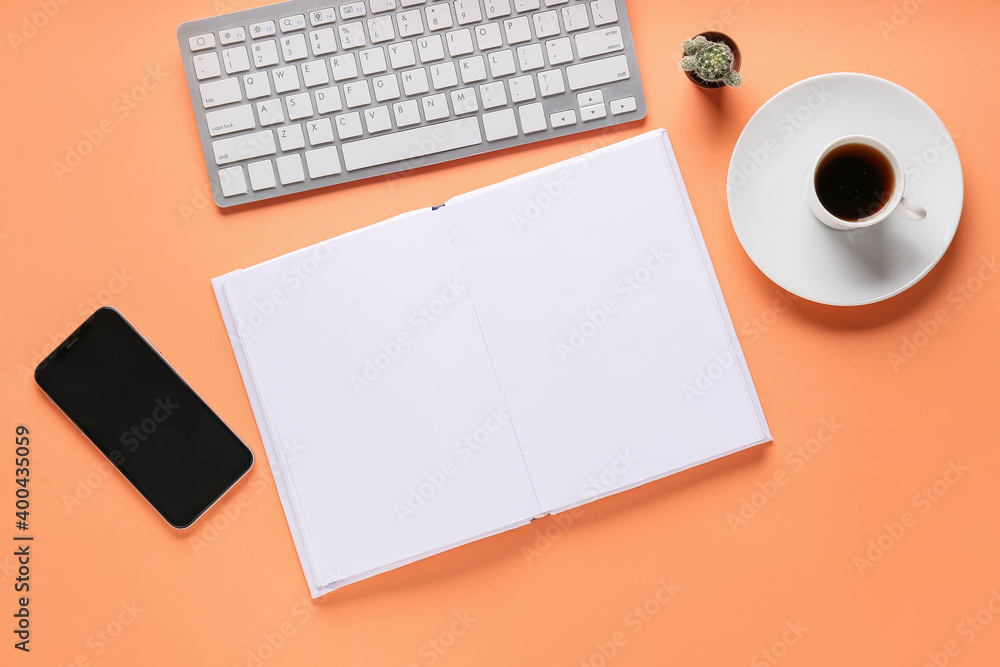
412, 144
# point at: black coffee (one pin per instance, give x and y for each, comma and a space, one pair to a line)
854, 181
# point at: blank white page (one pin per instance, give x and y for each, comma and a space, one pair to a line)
605, 323
379, 399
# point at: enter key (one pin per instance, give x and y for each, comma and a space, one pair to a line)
607, 40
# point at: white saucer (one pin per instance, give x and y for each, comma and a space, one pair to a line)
774, 223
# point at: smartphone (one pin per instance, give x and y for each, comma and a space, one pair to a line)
143, 417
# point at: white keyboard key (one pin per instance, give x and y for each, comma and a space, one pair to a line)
526, 5
408, 144
386, 87
227, 121
290, 137
494, 94
604, 12
257, 85
262, 29
261, 175
597, 42
232, 35
285, 79
320, 131
488, 36
270, 112
351, 10
322, 16
464, 101
377, 119
380, 29
553, 3
315, 73
243, 147
407, 113
290, 169
410, 23
217, 93
379, 6
594, 112
575, 18
435, 106
443, 75
459, 42
411, 3
624, 105
473, 69
591, 97
597, 72
468, 11
328, 100
357, 94
530, 57
344, 67
438, 16
546, 24
232, 181
517, 30
502, 63
292, 23
236, 60
430, 48
200, 42
415, 81
348, 125
373, 61
352, 35
401, 55
323, 41
563, 118
522, 88
499, 125
532, 118
497, 8
559, 50
206, 66
264, 53
551, 83
323, 162
299, 106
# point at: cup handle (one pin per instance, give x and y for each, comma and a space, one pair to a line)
911, 210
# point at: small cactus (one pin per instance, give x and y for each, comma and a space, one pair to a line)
710, 61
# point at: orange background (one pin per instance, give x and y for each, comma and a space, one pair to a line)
105, 565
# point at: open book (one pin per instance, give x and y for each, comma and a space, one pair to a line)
455, 372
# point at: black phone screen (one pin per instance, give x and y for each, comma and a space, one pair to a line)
150, 424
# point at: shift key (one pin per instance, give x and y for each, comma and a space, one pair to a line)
597, 72
233, 149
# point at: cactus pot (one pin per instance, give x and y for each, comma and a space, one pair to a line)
737, 60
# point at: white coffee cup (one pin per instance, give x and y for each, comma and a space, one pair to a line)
896, 203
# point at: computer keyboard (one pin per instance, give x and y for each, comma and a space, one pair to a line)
305, 94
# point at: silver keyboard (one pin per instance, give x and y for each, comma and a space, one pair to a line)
310, 93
